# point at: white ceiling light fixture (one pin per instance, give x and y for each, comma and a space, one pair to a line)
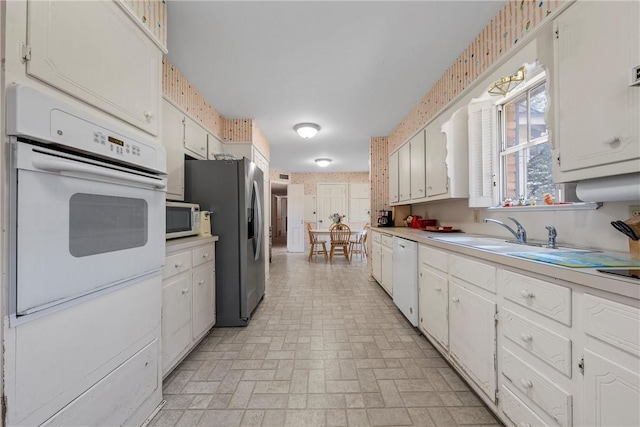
323, 163
306, 130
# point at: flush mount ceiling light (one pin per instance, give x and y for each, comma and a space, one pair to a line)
323, 163
307, 130
506, 84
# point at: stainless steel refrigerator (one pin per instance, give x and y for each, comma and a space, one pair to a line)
233, 191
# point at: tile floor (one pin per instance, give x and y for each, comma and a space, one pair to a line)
326, 347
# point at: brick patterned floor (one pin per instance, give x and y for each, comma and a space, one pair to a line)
326, 347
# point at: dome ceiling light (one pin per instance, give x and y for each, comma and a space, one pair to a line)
306, 130
323, 163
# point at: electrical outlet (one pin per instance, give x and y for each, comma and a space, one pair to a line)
634, 211
476, 215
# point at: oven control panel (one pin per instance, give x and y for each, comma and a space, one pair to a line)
80, 134
39, 116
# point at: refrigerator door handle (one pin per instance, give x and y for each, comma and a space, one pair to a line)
259, 231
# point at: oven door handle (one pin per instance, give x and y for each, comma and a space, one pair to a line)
59, 165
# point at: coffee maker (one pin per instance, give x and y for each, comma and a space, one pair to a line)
385, 219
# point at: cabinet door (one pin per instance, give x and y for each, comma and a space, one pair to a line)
204, 300
176, 319
387, 269
376, 261
597, 46
393, 179
434, 304
172, 137
417, 166
93, 51
404, 173
437, 179
612, 391
472, 336
214, 146
195, 138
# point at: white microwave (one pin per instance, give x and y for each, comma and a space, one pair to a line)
183, 219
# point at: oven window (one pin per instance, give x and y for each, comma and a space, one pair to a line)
101, 224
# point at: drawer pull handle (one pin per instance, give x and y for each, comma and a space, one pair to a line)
455, 299
178, 264
205, 255
526, 383
185, 291
438, 289
201, 282
525, 337
526, 294
612, 141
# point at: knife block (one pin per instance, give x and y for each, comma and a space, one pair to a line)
634, 249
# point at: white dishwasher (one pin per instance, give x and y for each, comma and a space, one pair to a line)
405, 278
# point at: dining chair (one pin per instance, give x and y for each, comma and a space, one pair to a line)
340, 236
316, 246
356, 244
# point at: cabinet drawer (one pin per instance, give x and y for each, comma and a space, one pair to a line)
202, 255
517, 411
433, 257
175, 264
538, 388
474, 272
377, 237
551, 348
387, 241
612, 322
548, 299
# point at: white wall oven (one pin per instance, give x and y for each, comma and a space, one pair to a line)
87, 205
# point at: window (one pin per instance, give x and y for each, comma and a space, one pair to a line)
525, 163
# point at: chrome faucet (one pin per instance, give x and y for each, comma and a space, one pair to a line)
521, 234
552, 236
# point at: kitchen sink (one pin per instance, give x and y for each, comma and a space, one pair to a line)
502, 246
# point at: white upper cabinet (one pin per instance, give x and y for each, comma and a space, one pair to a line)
214, 146
597, 122
418, 178
172, 136
93, 51
393, 178
404, 173
437, 178
195, 138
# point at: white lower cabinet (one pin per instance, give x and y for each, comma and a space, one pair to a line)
472, 335
611, 363
382, 260
386, 275
188, 297
433, 288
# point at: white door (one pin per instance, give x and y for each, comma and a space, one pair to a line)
611, 391
310, 214
473, 336
295, 213
172, 136
93, 51
176, 318
332, 198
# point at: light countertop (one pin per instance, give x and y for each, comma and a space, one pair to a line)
588, 277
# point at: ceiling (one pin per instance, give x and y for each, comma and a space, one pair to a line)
356, 68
